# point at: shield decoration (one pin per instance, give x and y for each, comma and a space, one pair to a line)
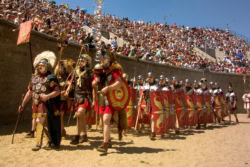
119, 98
199, 98
157, 111
131, 113
179, 106
167, 99
208, 101
223, 105
192, 115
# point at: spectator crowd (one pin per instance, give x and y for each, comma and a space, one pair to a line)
162, 43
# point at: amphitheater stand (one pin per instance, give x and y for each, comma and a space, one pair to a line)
107, 36
219, 54
204, 55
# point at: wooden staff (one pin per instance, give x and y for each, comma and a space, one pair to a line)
70, 84
98, 110
17, 122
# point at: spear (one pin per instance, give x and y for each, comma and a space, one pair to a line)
17, 122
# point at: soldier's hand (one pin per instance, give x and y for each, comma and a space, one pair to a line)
44, 97
20, 108
104, 90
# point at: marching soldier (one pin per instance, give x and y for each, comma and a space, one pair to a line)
231, 100
44, 90
62, 71
81, 81
150, 86
179, 99
112, 80
199, 104
246, 100
190, 100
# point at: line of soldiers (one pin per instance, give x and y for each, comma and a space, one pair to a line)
80, 88
74, 85
166, 104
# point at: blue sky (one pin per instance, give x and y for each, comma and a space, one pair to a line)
193, 13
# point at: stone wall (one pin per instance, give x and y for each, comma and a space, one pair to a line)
15, 70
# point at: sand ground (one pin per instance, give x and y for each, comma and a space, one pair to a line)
216, 146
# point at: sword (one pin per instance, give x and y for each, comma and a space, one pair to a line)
17, 122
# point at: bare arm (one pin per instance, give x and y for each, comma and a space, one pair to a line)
116, 85
27, 98
53, 94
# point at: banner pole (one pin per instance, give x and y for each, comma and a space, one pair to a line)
31, 58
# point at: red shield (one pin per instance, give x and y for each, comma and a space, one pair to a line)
182, 116
119, 98
192, 114
131, 112
218, 107
210, 115
223, 105
157, 111
200, 112
169, 120
144, 117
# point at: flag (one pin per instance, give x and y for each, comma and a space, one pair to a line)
24, 32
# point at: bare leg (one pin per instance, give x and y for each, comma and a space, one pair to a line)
106, 127
81, 121
235, 115
229, 114
33, 125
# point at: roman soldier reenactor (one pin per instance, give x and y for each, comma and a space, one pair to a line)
190, 101
231, 101
246, 100
62, 71
44, 90
110, 81
179, 100
150, 86
82, 82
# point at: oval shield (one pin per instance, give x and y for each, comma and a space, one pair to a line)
119, 98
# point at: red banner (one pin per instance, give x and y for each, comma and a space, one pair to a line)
24, 32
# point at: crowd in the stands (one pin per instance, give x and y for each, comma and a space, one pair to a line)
162, 43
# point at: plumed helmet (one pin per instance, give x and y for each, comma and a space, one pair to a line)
46, 58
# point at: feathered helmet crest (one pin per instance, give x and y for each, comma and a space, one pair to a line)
46, 57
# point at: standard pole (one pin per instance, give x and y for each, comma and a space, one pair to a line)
31, 58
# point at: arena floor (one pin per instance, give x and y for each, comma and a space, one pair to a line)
216, 146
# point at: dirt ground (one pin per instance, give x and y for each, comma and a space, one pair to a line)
216, 146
